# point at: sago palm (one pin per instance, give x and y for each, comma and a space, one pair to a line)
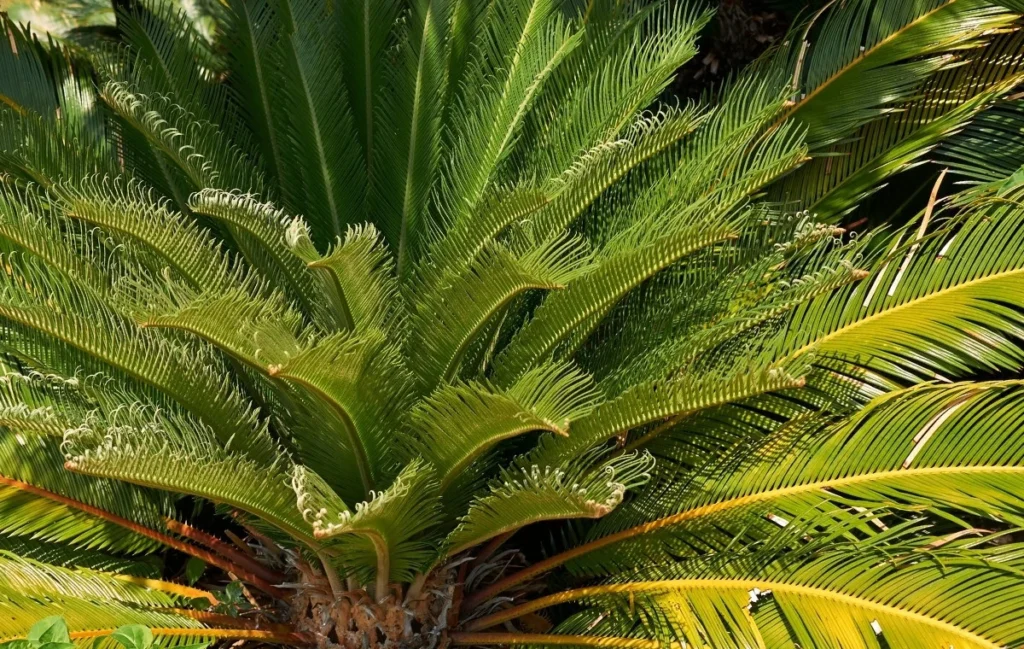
417, 323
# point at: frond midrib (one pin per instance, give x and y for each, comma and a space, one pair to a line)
356, 442
860, 59
725, 505
746, 584
899, 307
536, 423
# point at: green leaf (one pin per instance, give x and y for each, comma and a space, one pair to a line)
133, 636
51, 629
194, 569
578, 489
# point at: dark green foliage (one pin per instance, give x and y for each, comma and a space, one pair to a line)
443, 309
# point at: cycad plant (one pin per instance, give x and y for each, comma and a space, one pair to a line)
418, 323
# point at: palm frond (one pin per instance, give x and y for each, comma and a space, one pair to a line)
410, 133
356, 377
391, 527
361, 281
174, 454
521, 496
966, 264
32, 470
544, 399
323, 173
874, 55
916, 599
847, 172
905, 451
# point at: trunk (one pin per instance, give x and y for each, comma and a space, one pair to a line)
355, 619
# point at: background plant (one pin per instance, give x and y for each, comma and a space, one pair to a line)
436, 322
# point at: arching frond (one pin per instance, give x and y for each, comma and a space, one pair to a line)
361, 273
86, 335
198, 149
131, 212
180, 456
275, 236
905, 451
544, 399
873, 55
966, 267
987, 149
449, 320
386, 532
32, 470
522, 496
847, 172
915, 599
655, 401
64, 556
356, 377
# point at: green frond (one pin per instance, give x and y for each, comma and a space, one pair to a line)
599, 289
250, 31
88, 602
323, 171
32, 468
656, 401
698, 204
942, 448
168, 57
694, 349
198, 149
30, 224
866, 57
521, 496
919, 598
599, 168
260, 332
65, 556
23, 66
175, 454
391, 527
20, 575
410, 134
35, 404
58, 328
458, 423
618, 71
933, 309
35, 149
529, 40
366, 28
132, 212
848, 172
362, 380
362, 275
449, 320
279, 244
457, 247
987, 150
